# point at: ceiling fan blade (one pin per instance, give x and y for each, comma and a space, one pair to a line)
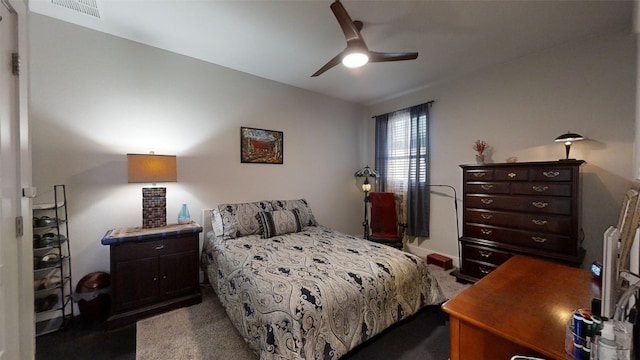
382, 57
333, 62
348, 26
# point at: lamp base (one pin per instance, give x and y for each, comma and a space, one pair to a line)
154, 207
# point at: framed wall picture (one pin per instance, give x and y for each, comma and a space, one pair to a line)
260, 146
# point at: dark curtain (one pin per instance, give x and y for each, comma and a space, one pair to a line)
381, 150
418, 204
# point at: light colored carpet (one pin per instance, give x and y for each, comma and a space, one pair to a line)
204, 332
198, 332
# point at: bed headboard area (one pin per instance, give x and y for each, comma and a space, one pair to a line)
233, 220
206, 221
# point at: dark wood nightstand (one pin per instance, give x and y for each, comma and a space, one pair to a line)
152, 270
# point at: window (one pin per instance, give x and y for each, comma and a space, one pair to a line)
399, 152
402, 158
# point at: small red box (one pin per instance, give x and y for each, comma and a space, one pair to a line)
440, 260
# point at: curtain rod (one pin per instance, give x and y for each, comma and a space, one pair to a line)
428, 102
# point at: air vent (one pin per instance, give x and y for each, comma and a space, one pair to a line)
87, 7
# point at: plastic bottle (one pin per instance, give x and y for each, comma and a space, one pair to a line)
607, 345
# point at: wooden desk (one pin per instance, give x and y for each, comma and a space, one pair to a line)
521, 308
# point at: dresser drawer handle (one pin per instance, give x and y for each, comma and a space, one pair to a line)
539, 204
485, 231
485, 254
486, 201
539, 222
478, 174
486, 186
512, 175
159, 247
484, 270
486, 216
538, 239
551, 174
540, 188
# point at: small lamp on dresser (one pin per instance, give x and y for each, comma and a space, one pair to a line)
152, 168
567, 139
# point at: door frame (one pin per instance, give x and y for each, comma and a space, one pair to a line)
24, 329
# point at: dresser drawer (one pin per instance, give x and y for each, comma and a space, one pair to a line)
143, 249
485, 254
551, 174
543, 205
487, 188
478, 175
542, 188
511, 174
530, 239
476, 269
540, 223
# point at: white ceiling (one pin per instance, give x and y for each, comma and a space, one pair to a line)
287, 41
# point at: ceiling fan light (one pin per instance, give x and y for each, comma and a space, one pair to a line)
355, 60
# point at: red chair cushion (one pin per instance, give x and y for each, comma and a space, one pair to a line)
384, 221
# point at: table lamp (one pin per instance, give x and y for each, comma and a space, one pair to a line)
152, 168
567, 139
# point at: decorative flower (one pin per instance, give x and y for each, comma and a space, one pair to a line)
479, 146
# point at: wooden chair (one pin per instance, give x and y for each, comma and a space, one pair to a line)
385, 227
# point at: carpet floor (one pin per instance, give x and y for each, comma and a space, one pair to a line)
203, 332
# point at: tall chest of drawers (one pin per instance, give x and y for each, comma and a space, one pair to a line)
530, 209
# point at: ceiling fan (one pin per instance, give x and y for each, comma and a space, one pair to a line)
357, 53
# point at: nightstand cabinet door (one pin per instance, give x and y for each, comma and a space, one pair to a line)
530, 209
137, 283
176, 274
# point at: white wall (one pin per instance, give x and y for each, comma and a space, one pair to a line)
95, 97
518, 108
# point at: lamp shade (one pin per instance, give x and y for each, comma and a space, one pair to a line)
151, 168
366, 172
569, 136
567, 139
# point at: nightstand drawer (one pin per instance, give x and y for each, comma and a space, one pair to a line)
130, 251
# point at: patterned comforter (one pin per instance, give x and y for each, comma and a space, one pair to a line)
314, 294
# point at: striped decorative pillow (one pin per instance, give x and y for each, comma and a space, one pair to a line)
279, 222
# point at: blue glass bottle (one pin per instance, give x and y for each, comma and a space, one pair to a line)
184, 217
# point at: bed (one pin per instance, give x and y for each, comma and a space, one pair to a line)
295, 289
